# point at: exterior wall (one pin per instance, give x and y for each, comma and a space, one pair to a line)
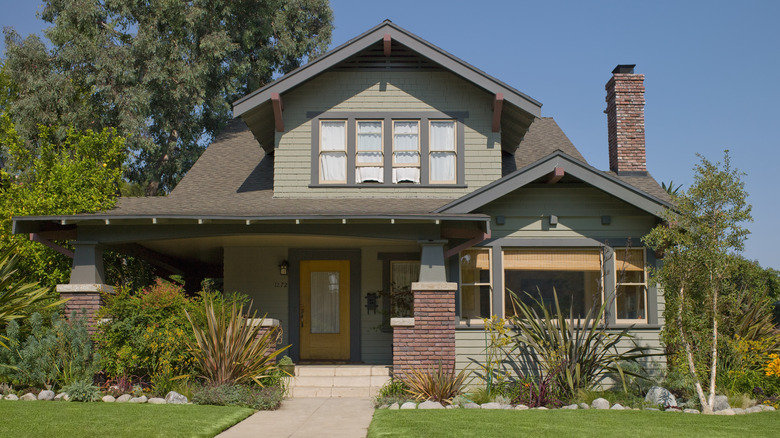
579, 210
384, 91
470, 348
255, 272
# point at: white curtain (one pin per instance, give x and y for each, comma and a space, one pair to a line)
406, 145
333, 158
406, 174
443, 157
324, 302
372, 174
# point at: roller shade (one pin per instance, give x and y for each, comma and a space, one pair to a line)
475, 259
629, 259
553, 260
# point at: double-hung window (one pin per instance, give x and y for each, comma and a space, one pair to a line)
369, 162
333, 151
631, 284
475, 284
406, 151
443, 152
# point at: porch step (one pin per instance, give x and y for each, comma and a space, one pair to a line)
338, 380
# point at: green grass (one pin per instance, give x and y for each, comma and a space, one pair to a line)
561, 423
39, 418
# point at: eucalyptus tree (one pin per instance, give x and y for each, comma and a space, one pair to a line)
161, 72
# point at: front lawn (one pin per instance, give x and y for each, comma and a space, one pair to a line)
562, 423
41, 418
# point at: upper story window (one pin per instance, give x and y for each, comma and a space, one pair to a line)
333, 151
394, 149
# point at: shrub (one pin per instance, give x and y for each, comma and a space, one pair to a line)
393, 391
55, 353
82, 391
267, 398
146, 334
535, 391
435, 383
576, 353
228, 350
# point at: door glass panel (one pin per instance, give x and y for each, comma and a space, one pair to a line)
324, 302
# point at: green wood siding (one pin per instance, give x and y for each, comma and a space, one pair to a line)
384, 91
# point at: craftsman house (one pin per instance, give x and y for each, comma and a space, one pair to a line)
388, 169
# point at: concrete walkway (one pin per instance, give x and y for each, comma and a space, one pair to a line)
308, 417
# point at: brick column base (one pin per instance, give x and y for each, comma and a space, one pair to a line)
429, 337
83, 298
269, 325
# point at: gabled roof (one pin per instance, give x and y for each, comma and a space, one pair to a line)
402, 36
573, 167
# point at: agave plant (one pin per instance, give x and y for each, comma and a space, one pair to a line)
229, 349
435, 383
580, 352
18, 297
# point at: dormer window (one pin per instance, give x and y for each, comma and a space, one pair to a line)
383, 150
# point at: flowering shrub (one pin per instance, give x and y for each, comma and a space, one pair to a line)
772, 367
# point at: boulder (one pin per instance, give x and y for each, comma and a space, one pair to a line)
652, 409
738, 411
471, 406
429, 404
574, 406
691, 411
394, 407
156, 401
61, 396
584, 406
492, 405
409, 405
768, 408
521, 407
141, 399
541, 408
451, 407
721, 403
728, 411
753, 409
46, 395
29, 396
385, 406
108, 399
174, 398
600, 403
617, 407
124, 398
660, 396
11, 397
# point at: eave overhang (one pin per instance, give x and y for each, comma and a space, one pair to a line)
550, 165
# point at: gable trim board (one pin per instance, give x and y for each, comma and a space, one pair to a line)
545, 166
372, 36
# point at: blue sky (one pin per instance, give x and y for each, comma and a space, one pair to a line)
711, 74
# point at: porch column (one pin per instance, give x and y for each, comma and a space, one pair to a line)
429, 336
87, 280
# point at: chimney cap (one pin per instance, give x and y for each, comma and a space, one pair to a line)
624, 68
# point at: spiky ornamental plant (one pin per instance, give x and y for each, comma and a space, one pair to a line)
230, 349
435, 383
699, 238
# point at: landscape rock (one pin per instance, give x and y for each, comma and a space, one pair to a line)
492, 405
753, 409
728, 411
541, 408
394, 407
174, 398
383, 406
521, 407
739, 411
156, 401
61, 396
471, 406
652, 409
617, 407
141, 399
11, 397
584, 406
721, 403
29, 396
409, 405
124, 398
600, 403
691, 411
574, 406
108, 399
46, 395
429, 404
450, 407
660, 396
768, 408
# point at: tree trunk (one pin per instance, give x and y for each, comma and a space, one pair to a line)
714, 350
706, 407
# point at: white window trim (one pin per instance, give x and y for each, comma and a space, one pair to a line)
319, 154
472, 321
454, 151
642, 321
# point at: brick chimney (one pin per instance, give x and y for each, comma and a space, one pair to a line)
626, 121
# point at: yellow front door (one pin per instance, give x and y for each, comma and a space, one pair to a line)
324, 317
